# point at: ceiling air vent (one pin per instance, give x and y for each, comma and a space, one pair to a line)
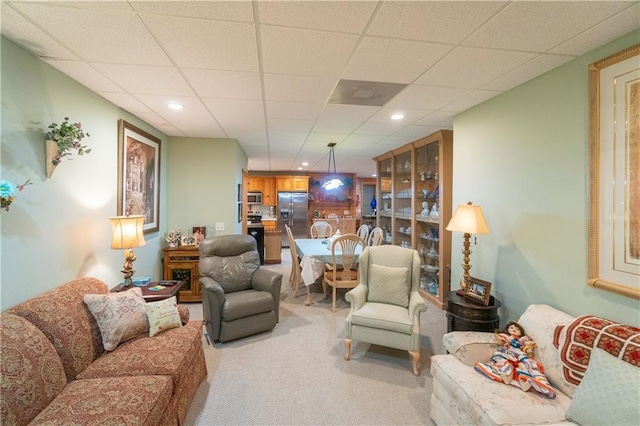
372, 93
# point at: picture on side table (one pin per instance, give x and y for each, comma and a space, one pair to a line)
199, 232
188, 240
478, 291
138, 175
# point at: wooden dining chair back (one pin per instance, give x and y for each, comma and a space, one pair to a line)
321, 229
296, 268
344, 271
376, 237
363, 232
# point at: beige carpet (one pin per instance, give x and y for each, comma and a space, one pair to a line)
296, 374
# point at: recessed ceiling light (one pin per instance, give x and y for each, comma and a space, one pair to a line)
374, 175
175, 106
305, 164
299, 168
397, 116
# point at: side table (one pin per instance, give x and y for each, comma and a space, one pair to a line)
466, 315
153, 296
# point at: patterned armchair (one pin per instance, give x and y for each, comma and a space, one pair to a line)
238, 298
386, 306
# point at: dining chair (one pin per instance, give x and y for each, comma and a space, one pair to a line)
376, 237
386, 305
296, 268
321, 229
363, 232
342, 273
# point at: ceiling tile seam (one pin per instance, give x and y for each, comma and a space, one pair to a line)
192, 18
179, 70
256, 26
356, 46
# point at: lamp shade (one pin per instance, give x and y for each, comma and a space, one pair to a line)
127, 231
468, 219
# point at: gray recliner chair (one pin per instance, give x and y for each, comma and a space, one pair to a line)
238, 298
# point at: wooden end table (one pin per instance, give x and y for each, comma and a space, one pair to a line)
153, 296
466, 315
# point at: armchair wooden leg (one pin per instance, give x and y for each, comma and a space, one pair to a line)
415, 357
334, 299
308, 301
347, 347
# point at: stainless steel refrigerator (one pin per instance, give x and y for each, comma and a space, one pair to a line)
292, 211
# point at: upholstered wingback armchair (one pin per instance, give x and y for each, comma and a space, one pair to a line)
385, 305
238, 298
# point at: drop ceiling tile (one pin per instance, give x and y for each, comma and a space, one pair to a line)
334, 112
283, 124
254, 150
410, 115
234, 48
428, 98
146, 79
219, 10
336, 126
224, 84
259, 142
348, 16
367, 140
601, 34
286, 137
285, 150
470, 100
126, 102
253, 132
437, 118
540, 26
88, 40
526, 72
472, 68
84, 74
194, 120
297, 89
293, 110
304, 52
236, 112
392, 60
111, 4
16, 28
316, 138
416, 132
374, 128
444, 22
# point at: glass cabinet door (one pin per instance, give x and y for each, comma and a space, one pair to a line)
402, 200
384, 202
427, 208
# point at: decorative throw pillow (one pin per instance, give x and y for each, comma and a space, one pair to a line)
608, 394
389, 285
163, 315
120, 316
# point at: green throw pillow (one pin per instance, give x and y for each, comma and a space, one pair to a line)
389, 285
163, 315
608, 394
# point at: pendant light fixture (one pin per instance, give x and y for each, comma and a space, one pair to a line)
332, 182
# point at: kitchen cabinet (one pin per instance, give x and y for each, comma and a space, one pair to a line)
256, 184
269, 194
414, 206
269, 224
272, 245
339, 201
181, 263
292, 183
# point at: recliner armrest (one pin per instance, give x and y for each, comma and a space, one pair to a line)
266, 280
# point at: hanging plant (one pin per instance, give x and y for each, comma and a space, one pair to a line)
62, 140
8, 191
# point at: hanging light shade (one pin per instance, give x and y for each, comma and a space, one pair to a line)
332, 181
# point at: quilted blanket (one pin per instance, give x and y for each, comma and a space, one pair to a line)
576, 340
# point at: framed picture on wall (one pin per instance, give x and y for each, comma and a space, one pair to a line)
614, 173
138, 175
239, 212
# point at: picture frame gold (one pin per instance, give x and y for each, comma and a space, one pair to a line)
478, 291
614, 157
188, 241
138, 175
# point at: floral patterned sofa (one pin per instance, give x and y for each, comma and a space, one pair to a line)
605, 393
55, 369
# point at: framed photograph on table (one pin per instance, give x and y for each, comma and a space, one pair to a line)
138, 175
614, 173
188, 240
478, 291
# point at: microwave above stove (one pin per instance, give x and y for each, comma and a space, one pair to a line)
254, 198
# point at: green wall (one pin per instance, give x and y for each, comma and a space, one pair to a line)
523, 156
58, 229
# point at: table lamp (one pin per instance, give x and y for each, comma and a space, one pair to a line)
470, 220
127, 234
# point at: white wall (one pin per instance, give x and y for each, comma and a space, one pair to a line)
523, 156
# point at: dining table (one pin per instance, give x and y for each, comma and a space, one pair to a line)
314, 253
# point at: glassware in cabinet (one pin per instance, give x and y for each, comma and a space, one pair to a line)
384, 197
402, 198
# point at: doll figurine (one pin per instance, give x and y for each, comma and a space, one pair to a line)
513, 362
425, 209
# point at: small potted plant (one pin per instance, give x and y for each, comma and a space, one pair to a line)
62, 139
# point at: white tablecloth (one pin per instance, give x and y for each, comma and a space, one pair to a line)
312, 269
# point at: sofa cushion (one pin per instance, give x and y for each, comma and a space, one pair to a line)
380, 289
539, 323
135, 400
163, 315
121, 316
576, 340
383, 316
470, 346
31, 371
484, 401
64, 318
241, 304
608, 394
